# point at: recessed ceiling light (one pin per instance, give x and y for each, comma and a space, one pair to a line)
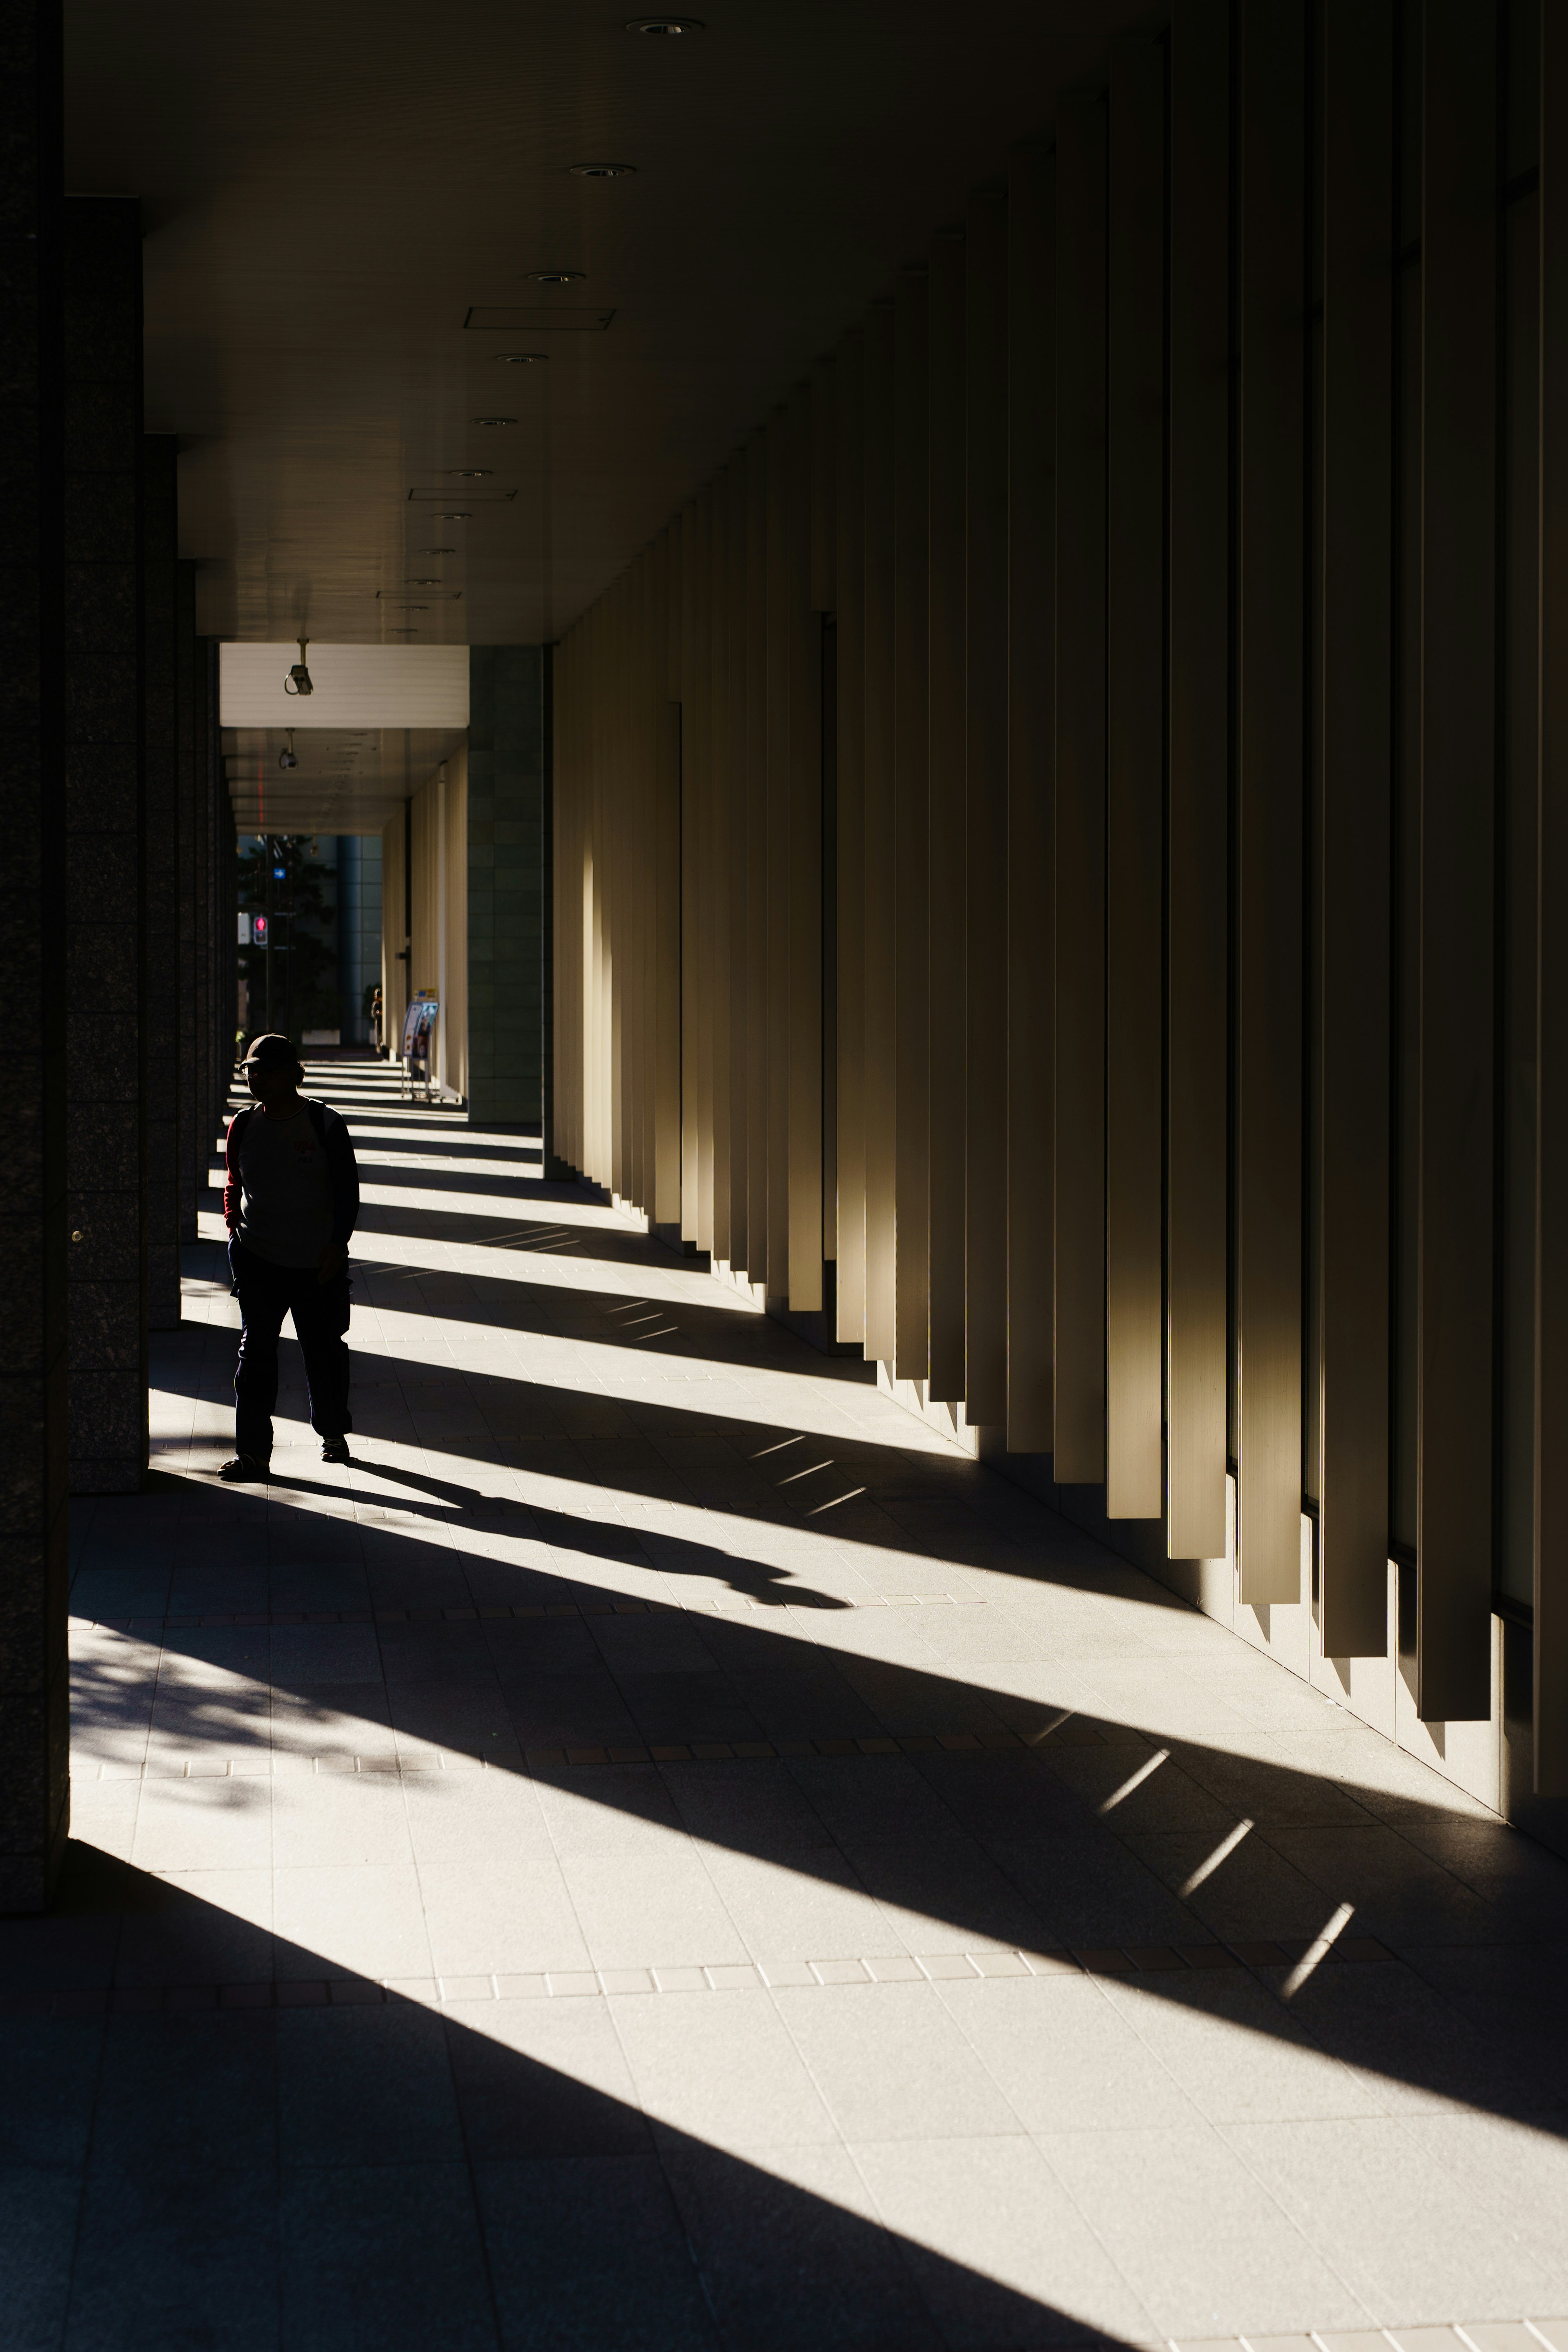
411, 582
403, 633
470, 473
453, 518
522, 359
664, 23
495, 420
601, 171
557, 277
438, 550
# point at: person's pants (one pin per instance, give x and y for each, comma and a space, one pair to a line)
320, 1311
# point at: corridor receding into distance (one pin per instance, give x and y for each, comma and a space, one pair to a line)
666, 1851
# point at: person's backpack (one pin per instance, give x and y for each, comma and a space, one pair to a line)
318, 1112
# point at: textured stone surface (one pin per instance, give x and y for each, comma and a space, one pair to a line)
506, 938
34, 1787
161, 932
814, 1989
105, 750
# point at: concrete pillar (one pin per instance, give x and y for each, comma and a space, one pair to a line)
187, 866
222, 899
33, 1702
160, 936
551, 1163
202, 975
103, 282
359, 928
506, 886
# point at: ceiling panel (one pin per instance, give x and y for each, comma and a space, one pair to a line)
332, 190
348, 780
351, 686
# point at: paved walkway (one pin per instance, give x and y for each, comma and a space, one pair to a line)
666, 1853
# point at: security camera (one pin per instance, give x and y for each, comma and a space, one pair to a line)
299, 679
286, 758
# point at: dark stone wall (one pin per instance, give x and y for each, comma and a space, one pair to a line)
161, 934
34, 1700
105, 835
551, 1165
202, 991
223, 851
187, 866
506, 885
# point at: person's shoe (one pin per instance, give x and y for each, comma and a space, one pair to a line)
336, 1449
242, 1469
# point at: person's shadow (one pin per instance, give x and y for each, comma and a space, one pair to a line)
756, 1581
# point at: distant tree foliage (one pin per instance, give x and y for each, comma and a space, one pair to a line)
304, 936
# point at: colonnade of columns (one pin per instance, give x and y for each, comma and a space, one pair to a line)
117, 914
1056, 852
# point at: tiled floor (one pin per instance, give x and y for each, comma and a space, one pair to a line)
666, 1853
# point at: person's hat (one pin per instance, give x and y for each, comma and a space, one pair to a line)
271, 1053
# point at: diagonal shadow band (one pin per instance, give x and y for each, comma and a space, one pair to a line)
377, 1130
1069, 1832
228, 2139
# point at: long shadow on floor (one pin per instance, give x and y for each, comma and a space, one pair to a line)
220, 2140
614, 1245
1043, 1828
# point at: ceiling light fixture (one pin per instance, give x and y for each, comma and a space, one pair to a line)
299, 679
495, 420
522, 359
557, 277
410, 582
666, 25
601, 171
452, 518
470, 473
438, 550
403, 633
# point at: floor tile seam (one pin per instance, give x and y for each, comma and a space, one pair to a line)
1044, 2142
1099, 1980
101, 2064
1464, 2180
589, 1756
1318, 2340
1154, 2339
1010, 1965
853, 2147
1315, 2046
1309, 2231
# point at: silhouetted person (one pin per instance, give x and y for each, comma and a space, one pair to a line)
290, 1200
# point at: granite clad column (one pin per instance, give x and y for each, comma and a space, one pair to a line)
35, 1791
506, 886
225, 1020
160, 936
186, 656
104, 820
552, 1167
201, 817
211, 794
223, 898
